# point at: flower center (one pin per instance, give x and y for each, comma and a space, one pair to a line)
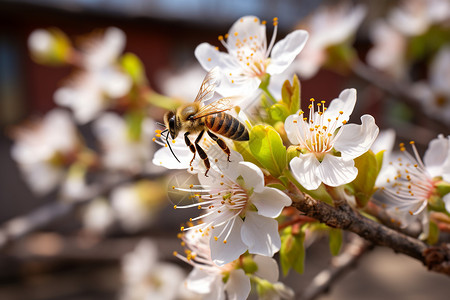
318, 134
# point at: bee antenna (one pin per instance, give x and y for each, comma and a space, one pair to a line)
160, 124
170, 147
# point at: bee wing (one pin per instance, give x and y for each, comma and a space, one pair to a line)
211, 80
218, 106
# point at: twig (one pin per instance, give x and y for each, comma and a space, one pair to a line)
339, 265
344, 217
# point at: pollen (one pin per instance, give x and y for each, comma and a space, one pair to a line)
153, 139
216, 238
173, 141
224, 241
199, 207
227, 35
236, 33
182, 228
174, 207
264, 22
175, 253
158, 135
209, 58
220, 37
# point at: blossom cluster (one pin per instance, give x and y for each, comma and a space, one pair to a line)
246, 143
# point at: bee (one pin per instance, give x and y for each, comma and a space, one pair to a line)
200, 118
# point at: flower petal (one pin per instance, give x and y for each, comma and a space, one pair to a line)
446, 199
260, 234
223, 253
345, 103
270, 202
285, 51
209, 57
354, 140
437, 156
238, 285
244, 28
304, 170
294, 129
267, 268
251, 174
335, 171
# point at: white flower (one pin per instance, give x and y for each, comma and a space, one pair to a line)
323, 135
90, 90
388, 53
41, 43
136, 205
121, 151
327, 27
145, 277
249, 56
384, 142
414, 17
413, 183
240, 212
98, 216
435, 95
179, 83
214, 281
44, 149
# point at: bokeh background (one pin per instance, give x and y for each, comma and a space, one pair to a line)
61, 261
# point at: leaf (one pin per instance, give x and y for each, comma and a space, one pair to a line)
278, 112
368, 166
134, 120
290, 95
244, 150
292, 251
267, 147
134, 67
335, 236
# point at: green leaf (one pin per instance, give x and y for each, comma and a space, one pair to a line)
292, 251
290, 95
267, 147
433, 235
278, 112
244, 150
368, 166
335, 236
134, 67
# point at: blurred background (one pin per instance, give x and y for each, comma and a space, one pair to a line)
61, 257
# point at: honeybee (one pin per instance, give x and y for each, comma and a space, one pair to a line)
198, 118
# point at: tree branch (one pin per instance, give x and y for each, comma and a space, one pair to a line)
340, 264
344, 217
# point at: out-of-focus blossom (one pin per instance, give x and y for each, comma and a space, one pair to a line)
144, 277
322, 135
413, 185
249, 57
328, 26
123, 150
49, 46
98, 216
44, 149
182, 83
240, 212
388, 53
414, 17
91, 89
137, 204
435, 95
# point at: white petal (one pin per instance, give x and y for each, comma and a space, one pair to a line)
163, 157
293, 132
354, 140
260, 234
209, 57
335, 171
267, 268
285, 51
245, 27
238, 285
270, 202
114, 83
384, 141
446, 199
222, 253
200, 281
345, 103
252, 175
437, 154
304, 170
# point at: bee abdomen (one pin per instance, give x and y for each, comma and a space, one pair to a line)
228, 126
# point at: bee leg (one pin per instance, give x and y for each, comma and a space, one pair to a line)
202, 152
189, 144
221, 144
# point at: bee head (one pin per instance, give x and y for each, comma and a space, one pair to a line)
169, 121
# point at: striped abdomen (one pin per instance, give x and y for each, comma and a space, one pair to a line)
228, 126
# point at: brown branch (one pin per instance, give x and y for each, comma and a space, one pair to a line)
344, 217
339, 265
